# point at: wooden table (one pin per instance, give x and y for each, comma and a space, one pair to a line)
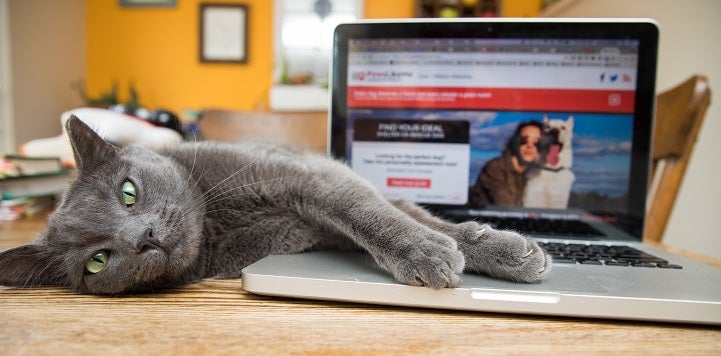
217, 316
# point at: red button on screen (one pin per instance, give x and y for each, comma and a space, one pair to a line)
408, 183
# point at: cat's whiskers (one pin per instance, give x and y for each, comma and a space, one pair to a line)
241, 170
223, 209
197, 181
219, 196
195, 158
188, 208
200, 176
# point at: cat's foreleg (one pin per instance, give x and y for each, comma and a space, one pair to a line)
413, 253
496, 253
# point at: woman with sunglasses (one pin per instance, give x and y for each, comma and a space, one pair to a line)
503, 178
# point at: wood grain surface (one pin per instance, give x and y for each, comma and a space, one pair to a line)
218, 317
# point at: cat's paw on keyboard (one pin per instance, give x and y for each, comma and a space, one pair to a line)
506, 255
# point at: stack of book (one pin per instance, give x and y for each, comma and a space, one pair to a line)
30, 184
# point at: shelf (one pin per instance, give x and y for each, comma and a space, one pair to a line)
457, 8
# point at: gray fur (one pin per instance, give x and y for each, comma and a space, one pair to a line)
209, 209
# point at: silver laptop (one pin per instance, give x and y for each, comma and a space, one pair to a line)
422, 109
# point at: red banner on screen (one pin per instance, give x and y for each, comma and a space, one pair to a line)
605, 101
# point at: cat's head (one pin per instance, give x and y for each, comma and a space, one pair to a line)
130, 221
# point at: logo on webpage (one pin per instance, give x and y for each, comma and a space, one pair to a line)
380, 75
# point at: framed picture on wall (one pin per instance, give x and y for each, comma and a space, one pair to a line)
224, 33
147, 3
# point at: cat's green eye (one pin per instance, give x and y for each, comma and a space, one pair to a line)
97, 263
128, 193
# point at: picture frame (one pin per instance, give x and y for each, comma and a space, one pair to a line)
223, 33
147, 3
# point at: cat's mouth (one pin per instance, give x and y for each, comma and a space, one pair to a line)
152, 246
150, 241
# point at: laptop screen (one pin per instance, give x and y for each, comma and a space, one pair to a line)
517, 122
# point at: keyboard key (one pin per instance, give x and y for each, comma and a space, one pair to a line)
617, 263
666, 265
643, 264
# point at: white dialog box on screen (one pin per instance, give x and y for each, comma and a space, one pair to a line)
414, 160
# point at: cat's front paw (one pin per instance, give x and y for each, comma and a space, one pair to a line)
505, 255
427, 264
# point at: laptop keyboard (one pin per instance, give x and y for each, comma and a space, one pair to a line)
550, 227
604, 255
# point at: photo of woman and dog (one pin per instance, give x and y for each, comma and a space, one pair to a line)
546, 160
551, 161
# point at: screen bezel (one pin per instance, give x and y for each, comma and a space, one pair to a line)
645, 31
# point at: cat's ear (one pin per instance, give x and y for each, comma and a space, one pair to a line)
89, 149
30, 265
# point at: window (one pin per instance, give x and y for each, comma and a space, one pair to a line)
304, 37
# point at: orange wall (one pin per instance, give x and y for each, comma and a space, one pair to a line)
157, 49
379, 9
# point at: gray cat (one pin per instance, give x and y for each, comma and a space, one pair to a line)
135, 220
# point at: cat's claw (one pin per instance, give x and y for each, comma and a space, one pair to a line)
503, 254
528, 253
436, 264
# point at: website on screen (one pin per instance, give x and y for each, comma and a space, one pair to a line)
426, 116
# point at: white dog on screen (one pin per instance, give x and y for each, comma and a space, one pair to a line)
549, 185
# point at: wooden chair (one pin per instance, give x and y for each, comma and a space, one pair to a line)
307, 129
679, 114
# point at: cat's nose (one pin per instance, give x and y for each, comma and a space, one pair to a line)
146, 241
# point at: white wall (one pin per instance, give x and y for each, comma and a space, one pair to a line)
47, 54
7, 130
689, 44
